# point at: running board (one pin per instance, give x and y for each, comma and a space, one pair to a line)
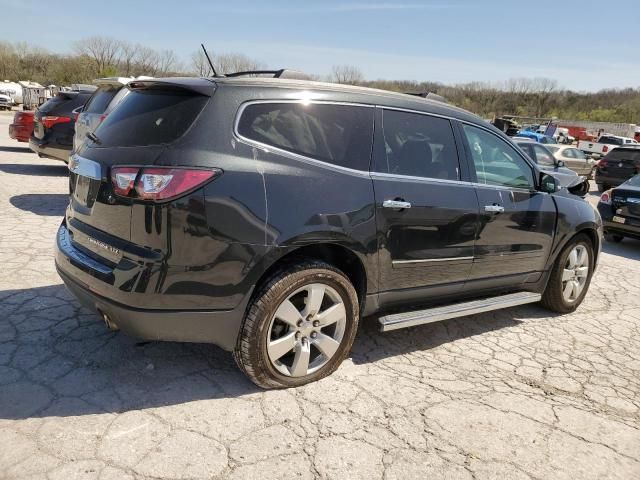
420, 317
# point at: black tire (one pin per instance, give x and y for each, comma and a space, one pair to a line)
610, 237
251, 348
552, 298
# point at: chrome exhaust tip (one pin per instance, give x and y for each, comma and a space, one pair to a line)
110, 324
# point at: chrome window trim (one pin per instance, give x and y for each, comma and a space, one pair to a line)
399, 176
85, 167
430, 260
296, 156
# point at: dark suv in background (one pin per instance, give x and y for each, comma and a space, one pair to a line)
268, 216
617, 166
53, 124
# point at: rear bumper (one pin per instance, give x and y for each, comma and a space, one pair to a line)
91, 283
612, 181
629, 229
20, 132
44, 150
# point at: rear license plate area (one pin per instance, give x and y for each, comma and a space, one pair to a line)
618, 219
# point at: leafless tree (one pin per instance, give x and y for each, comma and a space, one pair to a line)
167, 61
223, 63
146, 61
347, 74
200, 65
104, 51
128, 52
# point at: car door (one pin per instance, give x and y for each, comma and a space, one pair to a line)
518, 223
426, 214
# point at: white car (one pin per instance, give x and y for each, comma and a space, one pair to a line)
573, 158
6, 102
107, 96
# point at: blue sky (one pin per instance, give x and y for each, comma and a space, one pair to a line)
584, 44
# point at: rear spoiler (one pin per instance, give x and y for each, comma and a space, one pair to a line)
200, 86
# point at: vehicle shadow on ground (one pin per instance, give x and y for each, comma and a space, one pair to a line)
16, 149
49, 204
58, 359
60, 170
628, 248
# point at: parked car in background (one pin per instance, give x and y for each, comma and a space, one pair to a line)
22, 126
617, 166
605, 144
109, 93
54, 122
574, 158
576, 184
6, 102
620, 210
536, 137
180, 223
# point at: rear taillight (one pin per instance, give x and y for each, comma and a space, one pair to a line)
159, 183
606, 197
124, 179
51, 121
605, 149
601, 163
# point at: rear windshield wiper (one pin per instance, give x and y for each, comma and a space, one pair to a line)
94, 138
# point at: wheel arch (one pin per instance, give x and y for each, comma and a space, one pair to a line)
334, 254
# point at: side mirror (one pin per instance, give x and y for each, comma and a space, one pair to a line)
560, 163
548, 183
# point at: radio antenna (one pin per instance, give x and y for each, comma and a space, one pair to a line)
209, 60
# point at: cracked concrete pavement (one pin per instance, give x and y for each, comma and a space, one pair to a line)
517, 394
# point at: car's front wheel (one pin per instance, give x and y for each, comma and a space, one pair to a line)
299, 327
571, 276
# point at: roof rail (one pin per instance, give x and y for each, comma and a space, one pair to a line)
429, 95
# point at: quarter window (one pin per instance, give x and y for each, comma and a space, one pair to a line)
419, 145
496, 162
338, 134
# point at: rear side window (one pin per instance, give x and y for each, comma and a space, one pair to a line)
543, 156
99, 102
150, 117
338, 134
62, 104
419, 146
610, 140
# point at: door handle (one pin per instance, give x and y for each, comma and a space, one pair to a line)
494, 208
397, 204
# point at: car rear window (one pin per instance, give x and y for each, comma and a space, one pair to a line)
150, 117
620, 154
338, 134
64, 103
99, 102
610, 140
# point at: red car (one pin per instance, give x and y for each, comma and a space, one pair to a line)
22, 126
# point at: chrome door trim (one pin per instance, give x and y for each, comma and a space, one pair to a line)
431, 260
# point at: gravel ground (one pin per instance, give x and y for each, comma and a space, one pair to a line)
515, 394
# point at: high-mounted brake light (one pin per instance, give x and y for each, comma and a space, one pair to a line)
159, 183
605, 149
51, 121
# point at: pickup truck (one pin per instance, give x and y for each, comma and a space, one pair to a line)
605, 144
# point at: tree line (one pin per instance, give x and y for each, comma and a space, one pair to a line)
97, 56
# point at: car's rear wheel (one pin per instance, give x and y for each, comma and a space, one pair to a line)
571, 276
613, 238
299, 327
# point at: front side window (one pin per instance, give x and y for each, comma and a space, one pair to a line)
419, 146
338, 134
496, 162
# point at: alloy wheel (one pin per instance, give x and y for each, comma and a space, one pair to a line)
306, 330
575, 273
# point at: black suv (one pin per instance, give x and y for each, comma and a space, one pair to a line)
617, 166
53, 124
268, 216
